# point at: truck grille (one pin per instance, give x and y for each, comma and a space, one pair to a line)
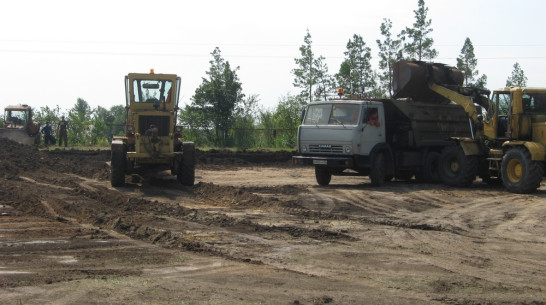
323, 148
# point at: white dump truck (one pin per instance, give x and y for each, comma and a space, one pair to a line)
379, 138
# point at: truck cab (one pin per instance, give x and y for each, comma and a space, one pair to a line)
339, 135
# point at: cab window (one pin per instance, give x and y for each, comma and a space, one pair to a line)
534, 102
151, 91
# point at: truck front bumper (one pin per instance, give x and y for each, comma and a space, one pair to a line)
340, 162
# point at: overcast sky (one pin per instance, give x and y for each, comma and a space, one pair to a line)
53, 52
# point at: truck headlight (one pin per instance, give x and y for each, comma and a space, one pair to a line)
348, 149
304, 148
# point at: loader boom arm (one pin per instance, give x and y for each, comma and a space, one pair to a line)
458, 98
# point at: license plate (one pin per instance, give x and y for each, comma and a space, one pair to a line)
320, 162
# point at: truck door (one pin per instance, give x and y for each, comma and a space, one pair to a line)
372, 128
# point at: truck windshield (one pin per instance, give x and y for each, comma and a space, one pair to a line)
152, 91
332, 114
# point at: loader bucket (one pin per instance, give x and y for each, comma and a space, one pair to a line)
411, 78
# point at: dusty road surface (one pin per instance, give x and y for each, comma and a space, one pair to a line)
255, 230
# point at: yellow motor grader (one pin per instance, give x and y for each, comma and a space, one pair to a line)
152, 136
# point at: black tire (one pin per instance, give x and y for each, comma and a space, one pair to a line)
377, 171
323, 175
117, 168
186, 172
457, 169
520, 174
430, 172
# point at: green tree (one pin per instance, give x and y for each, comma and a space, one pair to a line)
467, 62
116, 120
244, 132
287, 119
79, 122
417, 42
305, 74
389, 53
325, 81
517, 78
46, 114
218, 96
356, 70
197, 127
266, 123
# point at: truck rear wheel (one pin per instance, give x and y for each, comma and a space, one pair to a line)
457, 169
520, 174
186, 172
430, 169
323, 175
377, 172
117, 167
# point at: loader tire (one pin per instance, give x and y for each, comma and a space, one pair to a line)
186, 172
117, 168
323, 175
520, 174
377, 171
457, 169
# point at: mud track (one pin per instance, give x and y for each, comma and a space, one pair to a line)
255, 230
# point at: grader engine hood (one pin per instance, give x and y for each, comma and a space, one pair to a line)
154, 134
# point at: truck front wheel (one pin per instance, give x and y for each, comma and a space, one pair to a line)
377, 172
323, 175
520, 174
457, 169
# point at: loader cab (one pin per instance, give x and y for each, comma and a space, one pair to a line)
496, 119
513, 112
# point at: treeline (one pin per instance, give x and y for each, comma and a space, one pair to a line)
221, 115
87, 126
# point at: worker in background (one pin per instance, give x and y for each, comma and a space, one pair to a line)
48, 137
63, 132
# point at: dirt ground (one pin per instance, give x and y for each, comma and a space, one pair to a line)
256, 230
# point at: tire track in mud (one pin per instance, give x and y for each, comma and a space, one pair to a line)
171, 225
475, 234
